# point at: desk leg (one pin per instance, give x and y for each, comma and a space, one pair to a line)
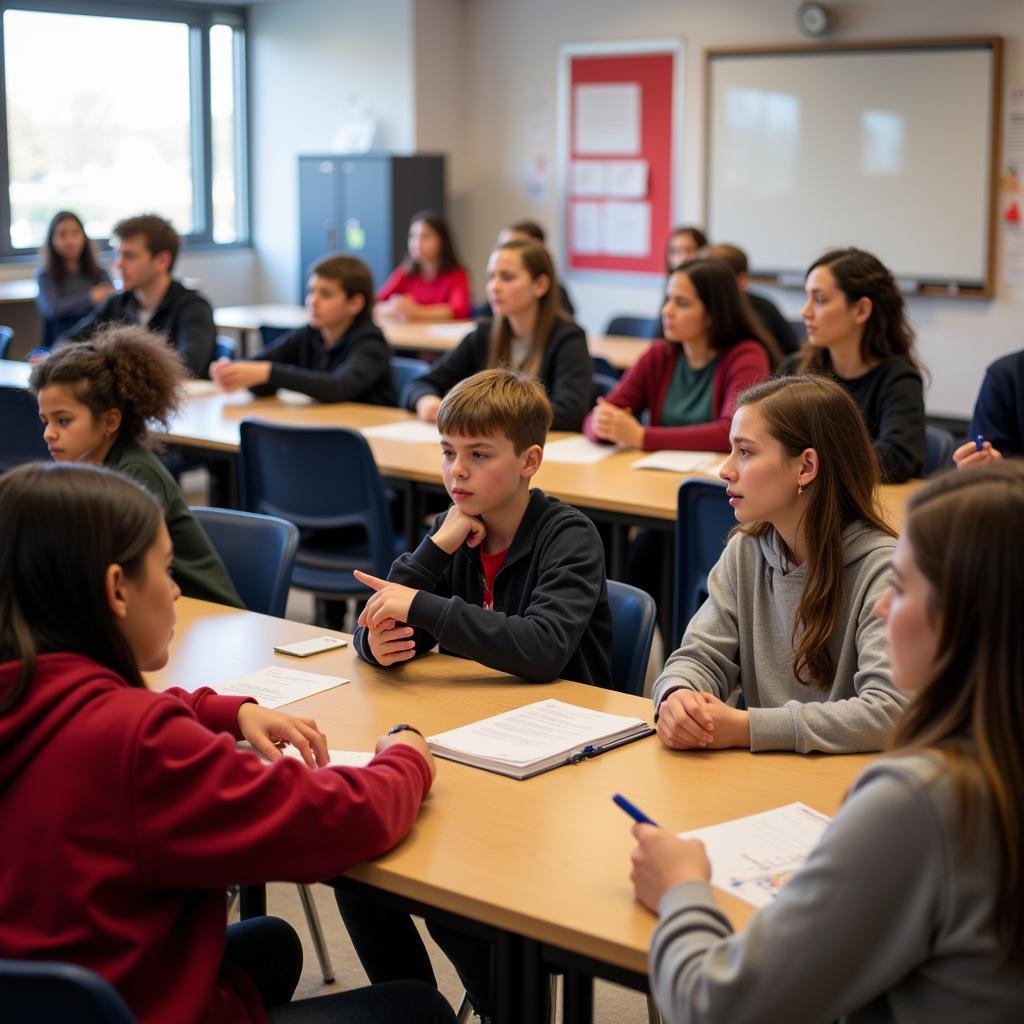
520, 981
252, 901
577, 998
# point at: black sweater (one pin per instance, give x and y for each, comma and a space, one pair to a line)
357, 368
183, 316
550, 618
891, 399
567, 371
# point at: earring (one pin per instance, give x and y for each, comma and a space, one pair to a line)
799, 488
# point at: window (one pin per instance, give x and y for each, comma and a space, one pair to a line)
115, 110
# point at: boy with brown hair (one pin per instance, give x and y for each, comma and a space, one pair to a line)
507, 576
339, 356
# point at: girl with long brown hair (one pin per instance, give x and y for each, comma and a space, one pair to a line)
789, 618
529, 332
909, 909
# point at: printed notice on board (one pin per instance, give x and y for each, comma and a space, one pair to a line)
1012, 183
607, 119
627, 229
586, 228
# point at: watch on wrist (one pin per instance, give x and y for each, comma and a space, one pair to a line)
404, 727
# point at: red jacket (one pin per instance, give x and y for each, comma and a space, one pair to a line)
646, 385
450, 286
126, 813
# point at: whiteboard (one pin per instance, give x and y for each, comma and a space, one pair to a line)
886, 149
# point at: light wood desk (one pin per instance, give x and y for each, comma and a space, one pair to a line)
546, 859
403, 335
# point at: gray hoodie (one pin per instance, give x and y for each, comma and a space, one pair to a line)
742, 636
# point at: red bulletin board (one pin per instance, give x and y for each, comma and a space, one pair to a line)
597, 233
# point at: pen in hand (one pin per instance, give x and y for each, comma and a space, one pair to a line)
633, 811
979, 443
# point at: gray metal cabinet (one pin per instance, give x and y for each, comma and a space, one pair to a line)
361, 205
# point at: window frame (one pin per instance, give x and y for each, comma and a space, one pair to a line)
199, 18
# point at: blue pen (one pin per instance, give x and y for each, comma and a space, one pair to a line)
979, 443
634, 812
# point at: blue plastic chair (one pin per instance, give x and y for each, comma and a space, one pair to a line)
258, 553
323, 480
45, 992
938, 455
404, 371
632, 326
6, 337
225, 347
634, 614
602, 385
269, 333
703, 521
21, 433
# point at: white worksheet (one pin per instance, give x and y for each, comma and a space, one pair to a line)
410, 431
579, 451
681, 462
276, 685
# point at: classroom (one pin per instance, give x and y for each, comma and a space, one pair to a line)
760, 598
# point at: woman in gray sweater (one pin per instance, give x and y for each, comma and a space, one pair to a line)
789, 618
909, 909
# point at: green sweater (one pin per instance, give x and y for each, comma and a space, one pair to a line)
197, 568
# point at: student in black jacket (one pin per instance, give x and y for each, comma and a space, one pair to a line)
857, 332
529, 333
509, 577
147, 249
340, 356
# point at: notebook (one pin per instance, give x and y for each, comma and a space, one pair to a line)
536, 738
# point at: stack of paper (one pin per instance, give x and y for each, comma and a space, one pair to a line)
537, 737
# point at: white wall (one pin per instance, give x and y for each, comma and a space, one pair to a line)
511, 68
307, 58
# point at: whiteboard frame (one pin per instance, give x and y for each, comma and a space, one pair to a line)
993, 43
626, 48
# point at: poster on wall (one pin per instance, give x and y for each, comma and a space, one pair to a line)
619, 154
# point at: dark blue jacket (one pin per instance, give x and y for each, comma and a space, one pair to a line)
999, 411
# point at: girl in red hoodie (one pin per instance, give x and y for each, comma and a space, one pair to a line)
127, 812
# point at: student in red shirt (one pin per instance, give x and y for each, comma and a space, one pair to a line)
127, 812
431, 284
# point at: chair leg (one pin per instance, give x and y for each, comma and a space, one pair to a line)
552, 997
319, 944
653, 1013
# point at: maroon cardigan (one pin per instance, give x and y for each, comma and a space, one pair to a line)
646, 385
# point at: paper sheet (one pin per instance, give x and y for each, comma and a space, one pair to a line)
200, 388
455, 330
753, 857
579, 451
627, 228
607, 119
682, 462
410, 431
345, 758
586, 228
588, 178
626, 179
288, 397
276, 685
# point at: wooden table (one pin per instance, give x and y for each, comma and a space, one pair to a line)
544, 862
405, 335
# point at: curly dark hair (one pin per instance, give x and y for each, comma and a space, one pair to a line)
123, 367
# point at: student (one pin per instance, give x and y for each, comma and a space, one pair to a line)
147, 250
713, 350
527, 229
507, 577
529, 333
431, 284
70, 281
998, 415
764, 309
857, 331
133, 810
96, 401
683, 244
341, 356
789, 616
910, 907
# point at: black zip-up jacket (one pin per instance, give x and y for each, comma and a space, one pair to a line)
567, 371
184, 317
356, 369
550, 618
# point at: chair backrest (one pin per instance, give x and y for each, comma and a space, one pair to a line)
6, 337
404, 371
257, 551
703, 521
632, 326
269, 333
225, 347
21, 433
602, 385
42, 991
939, 445
633, 616
321, 478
